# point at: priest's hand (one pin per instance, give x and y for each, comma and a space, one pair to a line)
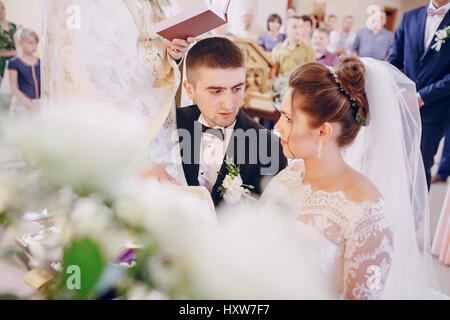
177, 48
159, 173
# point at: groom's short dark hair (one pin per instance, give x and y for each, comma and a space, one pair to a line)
214, 52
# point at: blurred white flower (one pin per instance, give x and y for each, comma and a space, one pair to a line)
87, 147
254, 254
92, 219
158, 208
141, 292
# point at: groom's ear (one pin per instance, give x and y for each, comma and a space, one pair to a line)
189, 89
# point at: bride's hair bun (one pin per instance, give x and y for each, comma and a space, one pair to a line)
351, 73
328, 95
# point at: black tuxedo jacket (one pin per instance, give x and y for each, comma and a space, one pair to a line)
255, 149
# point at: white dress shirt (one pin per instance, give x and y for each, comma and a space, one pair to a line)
212, 153
432, 24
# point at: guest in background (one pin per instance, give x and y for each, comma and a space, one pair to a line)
293, 51
331, 22
341, 42
286, 57
320, 41
374, 42
413, 53
250, 30
444, 165
273, 37
25, 74
7, 45
268, 41
290, 12
307, 29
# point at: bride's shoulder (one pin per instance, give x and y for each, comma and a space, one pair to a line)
290, 177
295, 166
362, 190
294, 172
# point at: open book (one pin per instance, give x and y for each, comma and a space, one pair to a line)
193, 22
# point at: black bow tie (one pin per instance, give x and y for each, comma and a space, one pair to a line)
214, 131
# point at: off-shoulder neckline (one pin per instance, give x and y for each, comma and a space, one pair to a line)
332, 194
341, 194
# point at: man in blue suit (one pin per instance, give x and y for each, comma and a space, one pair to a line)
412, 53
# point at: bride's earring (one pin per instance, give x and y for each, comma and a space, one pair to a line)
319, 152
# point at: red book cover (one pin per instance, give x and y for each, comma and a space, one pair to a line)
192, 22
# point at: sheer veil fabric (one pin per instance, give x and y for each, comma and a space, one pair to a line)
388, 152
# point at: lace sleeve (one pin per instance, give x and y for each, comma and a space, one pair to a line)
367, 257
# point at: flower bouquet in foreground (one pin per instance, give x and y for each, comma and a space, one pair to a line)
100, 232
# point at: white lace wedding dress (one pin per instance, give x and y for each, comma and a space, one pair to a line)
372, 250
352, 242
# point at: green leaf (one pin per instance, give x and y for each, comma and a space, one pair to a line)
85, 256
222, 190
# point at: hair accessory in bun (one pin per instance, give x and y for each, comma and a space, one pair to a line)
354, 105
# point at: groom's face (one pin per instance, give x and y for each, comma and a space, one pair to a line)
218, 93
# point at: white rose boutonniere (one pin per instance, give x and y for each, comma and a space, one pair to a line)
233, 188
441, 36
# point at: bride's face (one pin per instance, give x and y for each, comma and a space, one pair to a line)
298, 139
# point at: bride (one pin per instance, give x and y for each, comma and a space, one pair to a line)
359, 191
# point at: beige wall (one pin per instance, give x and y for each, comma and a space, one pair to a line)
25, 12
261, 10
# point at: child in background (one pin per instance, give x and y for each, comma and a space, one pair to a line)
24, 74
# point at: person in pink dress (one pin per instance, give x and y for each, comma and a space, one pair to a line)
441, 243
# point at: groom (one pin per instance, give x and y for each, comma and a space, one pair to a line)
412, 53
216, 128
